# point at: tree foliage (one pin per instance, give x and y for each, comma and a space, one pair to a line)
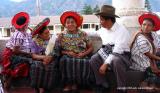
148, 6
96, 9
87, 9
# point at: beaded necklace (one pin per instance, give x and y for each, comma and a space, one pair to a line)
72, 35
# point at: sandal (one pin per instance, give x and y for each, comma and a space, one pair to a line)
7, 82
67, 89
41, 90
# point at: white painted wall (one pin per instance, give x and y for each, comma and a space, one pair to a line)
128, 5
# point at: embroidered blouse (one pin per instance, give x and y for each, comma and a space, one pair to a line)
39, 45
74, 42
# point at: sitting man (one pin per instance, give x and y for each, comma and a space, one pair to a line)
115, 48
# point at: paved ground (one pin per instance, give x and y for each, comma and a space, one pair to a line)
29, 90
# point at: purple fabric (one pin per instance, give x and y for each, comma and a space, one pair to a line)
37, 49
22, 39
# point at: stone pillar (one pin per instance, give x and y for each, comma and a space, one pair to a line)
129, 11
3, 32
0, 32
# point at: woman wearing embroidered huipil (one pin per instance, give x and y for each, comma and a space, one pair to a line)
41, 73
41, 36
146, 43
18, 50
75, 49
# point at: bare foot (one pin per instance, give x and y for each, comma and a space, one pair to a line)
74, 87
67, 88
41, 90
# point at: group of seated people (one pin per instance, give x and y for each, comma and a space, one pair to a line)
27, 54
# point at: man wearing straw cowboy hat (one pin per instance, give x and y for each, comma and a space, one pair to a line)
113, 54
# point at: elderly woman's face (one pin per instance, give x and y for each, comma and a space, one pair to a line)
45, 35
147, 26
71, 24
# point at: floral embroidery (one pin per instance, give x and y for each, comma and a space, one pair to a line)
75, 42
40, 42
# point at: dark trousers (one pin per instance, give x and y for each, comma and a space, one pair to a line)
118, 65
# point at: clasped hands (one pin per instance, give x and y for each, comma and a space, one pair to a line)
45, 59
73, 54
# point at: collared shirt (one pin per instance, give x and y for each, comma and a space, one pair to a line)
21, 39
139, 48
118, 36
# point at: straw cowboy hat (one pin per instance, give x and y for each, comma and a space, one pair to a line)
152, 16
42, 24
107, 10
20, 20
75, 15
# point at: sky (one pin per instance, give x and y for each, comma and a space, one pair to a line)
17, 0
152, 4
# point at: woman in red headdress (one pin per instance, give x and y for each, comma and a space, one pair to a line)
75, 48
145, 46
17, 55
42, 74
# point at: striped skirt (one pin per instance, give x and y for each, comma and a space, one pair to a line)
151, 77
76, 71
43, 76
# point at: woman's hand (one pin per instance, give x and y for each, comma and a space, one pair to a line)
152, 56
155, 69
34, 56
80, 55
47, 60
70, 53
38, 57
